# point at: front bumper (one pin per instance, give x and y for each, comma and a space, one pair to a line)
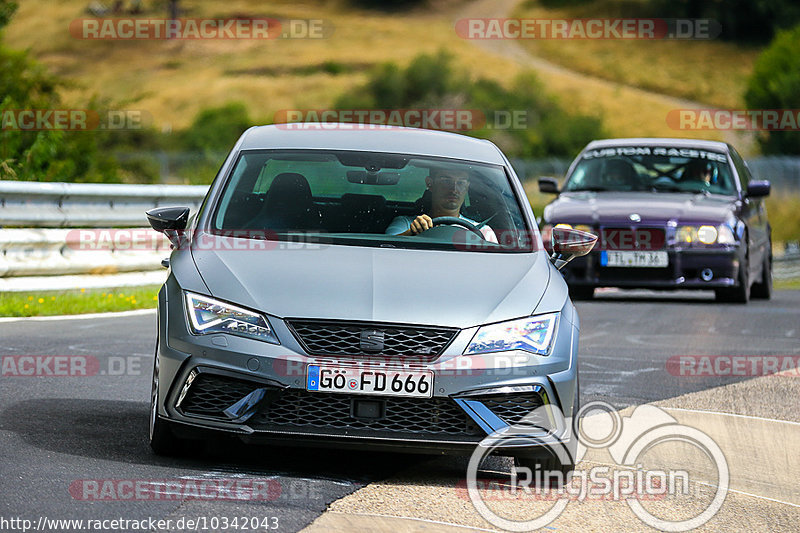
256, 391
686, 269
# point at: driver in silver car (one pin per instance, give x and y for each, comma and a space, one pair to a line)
448, 188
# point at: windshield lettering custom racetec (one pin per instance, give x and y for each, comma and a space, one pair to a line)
652, 169
371, 199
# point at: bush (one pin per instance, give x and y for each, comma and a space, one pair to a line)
48, 155
775, 84
433, 82
216, 129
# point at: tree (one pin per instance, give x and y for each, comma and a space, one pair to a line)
775, 84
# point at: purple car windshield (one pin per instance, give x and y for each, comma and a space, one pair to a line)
652, 169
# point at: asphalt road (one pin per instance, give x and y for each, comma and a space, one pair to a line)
58, 432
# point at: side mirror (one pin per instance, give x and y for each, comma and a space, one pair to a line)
568, 244
758, 189
171, 221
548, 185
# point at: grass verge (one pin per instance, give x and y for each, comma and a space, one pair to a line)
78, 301
784, 284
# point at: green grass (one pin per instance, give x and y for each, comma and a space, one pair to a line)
785, 284
783, 209
78, 301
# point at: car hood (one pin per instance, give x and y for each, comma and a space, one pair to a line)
653, 208
456, 289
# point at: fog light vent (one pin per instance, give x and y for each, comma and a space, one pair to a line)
706, 274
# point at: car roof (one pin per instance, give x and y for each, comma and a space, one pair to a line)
659, 141
366, 137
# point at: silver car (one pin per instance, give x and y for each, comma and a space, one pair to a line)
369, 287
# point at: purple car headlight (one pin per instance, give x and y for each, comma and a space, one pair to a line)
705, 234
533, 334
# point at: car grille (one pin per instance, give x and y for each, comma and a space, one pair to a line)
513, 409
286, 410
210, 394
421, 416
344, 338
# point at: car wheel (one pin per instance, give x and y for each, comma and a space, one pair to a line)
763, 289
162, 440
581, 293
740, 293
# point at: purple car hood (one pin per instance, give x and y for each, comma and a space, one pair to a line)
653, 208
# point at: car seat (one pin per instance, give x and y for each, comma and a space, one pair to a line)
289, 205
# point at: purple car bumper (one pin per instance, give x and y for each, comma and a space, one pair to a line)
686, 269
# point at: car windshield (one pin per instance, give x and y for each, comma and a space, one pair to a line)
370, 199
655, 169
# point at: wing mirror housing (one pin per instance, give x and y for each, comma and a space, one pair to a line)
548, 184
758, 189
568, 243
171, 221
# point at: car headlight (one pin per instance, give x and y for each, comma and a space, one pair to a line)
207, 315
705, 234
533, 334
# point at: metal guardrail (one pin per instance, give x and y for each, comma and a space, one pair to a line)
787, 266
42, 252
28, 211
60, 205
31, 248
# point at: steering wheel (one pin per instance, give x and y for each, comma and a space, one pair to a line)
455, 221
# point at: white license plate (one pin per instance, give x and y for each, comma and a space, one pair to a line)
634, 259
379, 381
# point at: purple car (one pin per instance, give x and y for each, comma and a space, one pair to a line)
668, 214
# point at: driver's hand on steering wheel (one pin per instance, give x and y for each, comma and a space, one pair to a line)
420, 224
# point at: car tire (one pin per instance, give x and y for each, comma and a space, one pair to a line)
763, 289
581, 293
162, 440
741, 292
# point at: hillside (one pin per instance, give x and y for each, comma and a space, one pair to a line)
173, 80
